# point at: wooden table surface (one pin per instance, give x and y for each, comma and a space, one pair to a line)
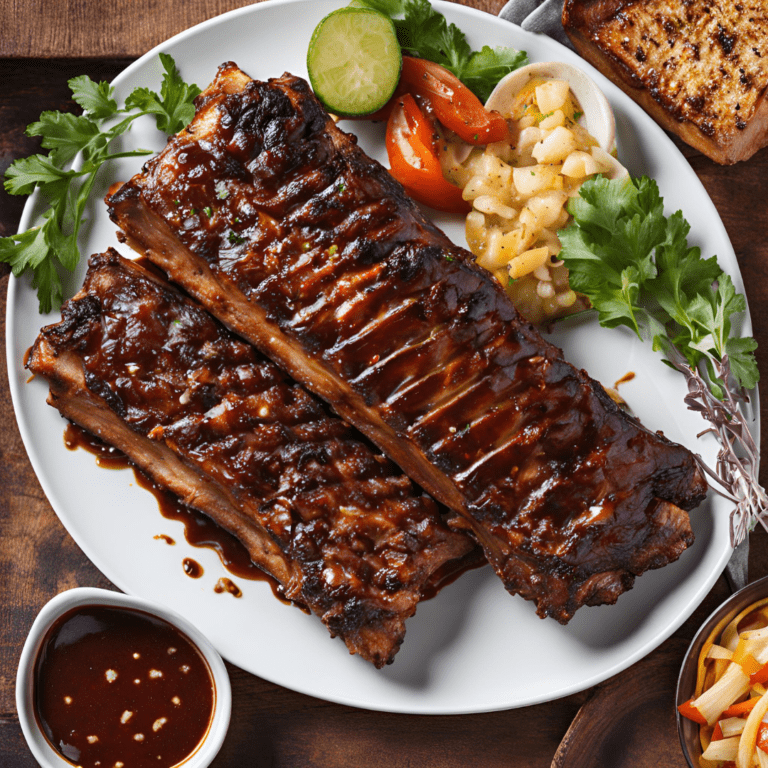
626, 721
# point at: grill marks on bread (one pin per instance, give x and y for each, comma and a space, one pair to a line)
700, 68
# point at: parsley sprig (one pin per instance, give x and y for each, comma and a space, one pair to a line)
424, 32
39, 250
637, 269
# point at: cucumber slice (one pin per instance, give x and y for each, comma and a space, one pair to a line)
354, 61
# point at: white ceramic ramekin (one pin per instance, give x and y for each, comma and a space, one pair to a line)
44, 753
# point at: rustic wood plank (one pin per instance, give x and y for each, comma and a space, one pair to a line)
272, 726
112, 28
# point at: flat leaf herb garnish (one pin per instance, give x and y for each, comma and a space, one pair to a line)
41, 250
637, 269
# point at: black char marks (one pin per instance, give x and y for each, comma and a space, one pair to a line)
344, 283
343, 531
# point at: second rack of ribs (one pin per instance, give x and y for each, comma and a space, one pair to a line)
284, 229
204, 414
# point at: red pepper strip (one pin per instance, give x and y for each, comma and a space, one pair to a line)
455, 106
761, 676
736, 710
686, 709
762, 737
413, 161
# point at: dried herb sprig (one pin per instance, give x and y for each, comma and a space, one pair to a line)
738, 461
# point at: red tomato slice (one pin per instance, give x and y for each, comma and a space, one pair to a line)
413, 161
455, 106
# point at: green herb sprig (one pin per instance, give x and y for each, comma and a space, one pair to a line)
424, 32
637, 269
41, 249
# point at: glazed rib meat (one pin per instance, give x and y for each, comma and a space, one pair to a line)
207, 416
273, 218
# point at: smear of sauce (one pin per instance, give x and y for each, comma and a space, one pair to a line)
164, 537
227, 585
25, 360
106, 455
199, 530
624, 379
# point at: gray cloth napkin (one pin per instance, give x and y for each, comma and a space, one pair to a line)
737, 569
543, 16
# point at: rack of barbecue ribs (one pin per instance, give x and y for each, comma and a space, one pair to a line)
208, 417
279, 224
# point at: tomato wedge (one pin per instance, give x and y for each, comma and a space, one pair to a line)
455, 106
413, 161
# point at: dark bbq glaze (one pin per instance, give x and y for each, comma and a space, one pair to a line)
358, 542
275, 220
227, 585
192, 568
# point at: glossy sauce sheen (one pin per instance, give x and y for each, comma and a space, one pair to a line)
201, 531
192, 568
227, 585
316, 255
341, 528
118, 686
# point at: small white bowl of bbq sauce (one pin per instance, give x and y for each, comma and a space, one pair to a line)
106, 680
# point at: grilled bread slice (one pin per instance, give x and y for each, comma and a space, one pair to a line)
700, 69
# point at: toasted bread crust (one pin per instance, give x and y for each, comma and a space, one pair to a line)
700, 69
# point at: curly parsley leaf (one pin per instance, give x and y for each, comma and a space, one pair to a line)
40, 251
424, 32
636, 267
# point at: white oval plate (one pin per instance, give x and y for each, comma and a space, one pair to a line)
473, 648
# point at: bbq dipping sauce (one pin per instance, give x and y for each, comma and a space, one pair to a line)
117, 686
76, 680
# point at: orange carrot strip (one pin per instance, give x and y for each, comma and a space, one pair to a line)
736, 710
761, 676
686, 709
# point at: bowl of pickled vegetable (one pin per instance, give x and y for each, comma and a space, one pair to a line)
722, 691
